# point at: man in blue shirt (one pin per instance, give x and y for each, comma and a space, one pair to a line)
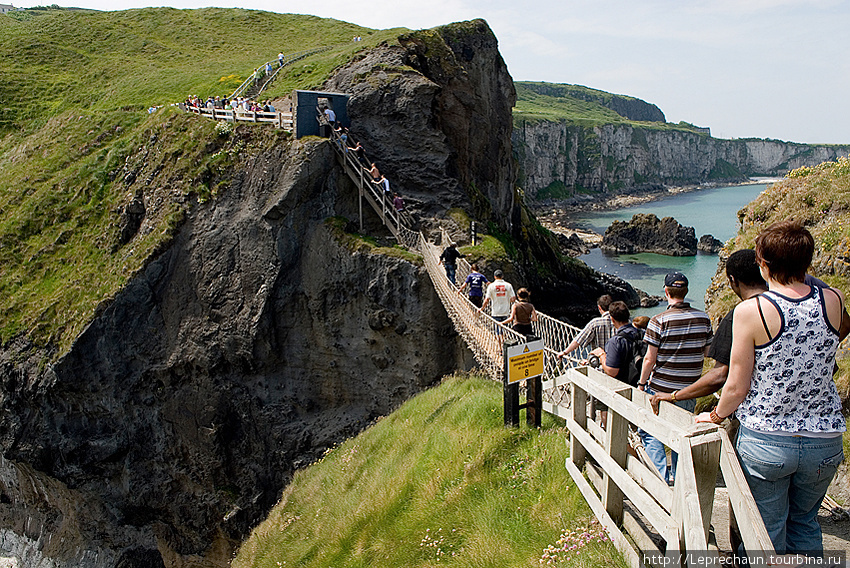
476, 283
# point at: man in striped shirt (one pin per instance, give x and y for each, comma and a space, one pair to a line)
677, 341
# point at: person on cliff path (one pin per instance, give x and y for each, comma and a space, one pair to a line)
449, 261
597, 332
677, 340
522, 313
398, 202
280, 59
475, 281
499, 296
374, 172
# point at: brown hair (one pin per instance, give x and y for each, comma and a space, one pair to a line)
619, 312
677, 293
604, 301
523, 294
786, 249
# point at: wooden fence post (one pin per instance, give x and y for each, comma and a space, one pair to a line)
579, 406
616, 446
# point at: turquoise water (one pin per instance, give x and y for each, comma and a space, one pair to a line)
709, 211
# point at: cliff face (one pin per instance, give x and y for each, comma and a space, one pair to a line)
253, 344
615, 157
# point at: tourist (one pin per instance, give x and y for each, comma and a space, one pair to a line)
614, 358
746, 281
374, 172
597, 332
522, 313
780, 388
449, 261
360, 154
398, 202
280, 59
499, 296
385, 184
677, 340
476, 282
330, 115
617, 358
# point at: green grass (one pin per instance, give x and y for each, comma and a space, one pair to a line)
565, 103
440, 482
134, 59
341, 228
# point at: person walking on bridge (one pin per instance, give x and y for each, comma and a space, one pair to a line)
475, 281
449, 261
677, 340
522, 313
501, 295
597, 332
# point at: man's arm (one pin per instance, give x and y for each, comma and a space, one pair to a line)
709, 383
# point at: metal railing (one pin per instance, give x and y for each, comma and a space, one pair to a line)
287, 60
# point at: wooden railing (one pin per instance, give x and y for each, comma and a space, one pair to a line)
287, 60
279, 119
681, 514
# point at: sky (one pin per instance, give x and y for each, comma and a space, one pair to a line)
745, 68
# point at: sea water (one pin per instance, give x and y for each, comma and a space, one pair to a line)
711, 211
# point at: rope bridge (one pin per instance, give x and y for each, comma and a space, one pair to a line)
483, 335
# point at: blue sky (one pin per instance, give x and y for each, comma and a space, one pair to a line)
746, 68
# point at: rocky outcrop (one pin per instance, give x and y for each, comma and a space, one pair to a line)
436, 110
260, 337
709, 244
647, 233
615, 158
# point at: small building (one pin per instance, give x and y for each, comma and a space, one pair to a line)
5, 8
309, 104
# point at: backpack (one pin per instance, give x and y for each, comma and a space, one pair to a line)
637, 350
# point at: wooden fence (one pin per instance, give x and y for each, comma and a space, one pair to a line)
280, 119
681, 514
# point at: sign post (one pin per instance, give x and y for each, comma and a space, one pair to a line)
524, 361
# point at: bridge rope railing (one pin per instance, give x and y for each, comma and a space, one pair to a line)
484, 335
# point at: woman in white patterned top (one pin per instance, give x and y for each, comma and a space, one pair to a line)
780, 387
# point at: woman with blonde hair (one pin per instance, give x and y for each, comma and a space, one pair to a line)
781, 389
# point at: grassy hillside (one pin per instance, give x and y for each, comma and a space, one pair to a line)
440, 482
134, 59
819, 197
568, 103
75, 134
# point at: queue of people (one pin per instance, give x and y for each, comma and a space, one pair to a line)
223, 103
774, 358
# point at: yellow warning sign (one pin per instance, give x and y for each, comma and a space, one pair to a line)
525, 361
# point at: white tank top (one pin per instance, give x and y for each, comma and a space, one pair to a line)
792, 388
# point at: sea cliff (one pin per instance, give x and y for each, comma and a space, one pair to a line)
558, 159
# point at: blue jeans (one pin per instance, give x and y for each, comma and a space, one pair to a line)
450, 272
655, 449
788, 476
